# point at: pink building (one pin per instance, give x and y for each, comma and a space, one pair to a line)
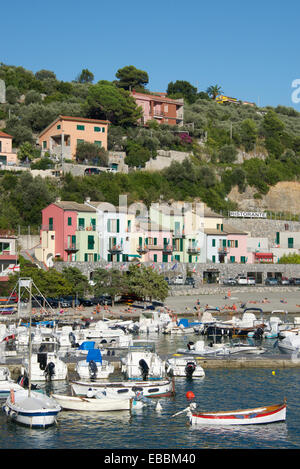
63, 235
154, 243
159, 108
6, 154
236, 245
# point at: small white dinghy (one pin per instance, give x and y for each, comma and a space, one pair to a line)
94, 404
32, 409
257, 415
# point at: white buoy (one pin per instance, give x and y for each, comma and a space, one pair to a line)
158, 407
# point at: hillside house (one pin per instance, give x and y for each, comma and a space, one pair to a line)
62, 136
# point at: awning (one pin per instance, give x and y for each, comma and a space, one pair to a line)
264, 255
134, 255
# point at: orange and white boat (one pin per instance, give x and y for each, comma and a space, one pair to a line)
257, 415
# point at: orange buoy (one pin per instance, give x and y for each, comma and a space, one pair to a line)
190, 395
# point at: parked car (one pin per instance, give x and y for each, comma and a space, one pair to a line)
85, 302
284, 281
190, 281
229, 281
295, 281
271, 281
64, 303
92, 171
101, 300
251, 281
169, 280
53, 302
242, 280
178, 280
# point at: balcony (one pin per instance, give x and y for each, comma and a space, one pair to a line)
142, 250
193, 250
115, 249
168, 249
71, 248
223, 251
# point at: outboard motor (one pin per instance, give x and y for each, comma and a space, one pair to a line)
191, 346
50, 370
258, 334
72, 339
93, 369
144, 369
189, 369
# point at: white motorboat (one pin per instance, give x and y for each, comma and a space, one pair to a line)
31, 408
184, 366
161, 388
6, 383
199, 348
142, 363
93, 404
94, 367
290, 343
45, 366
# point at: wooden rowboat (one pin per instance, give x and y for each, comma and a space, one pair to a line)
258, 415
92, 404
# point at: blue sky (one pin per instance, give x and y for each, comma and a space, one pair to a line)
251, 50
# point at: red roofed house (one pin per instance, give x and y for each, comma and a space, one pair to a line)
6, 154
160, 108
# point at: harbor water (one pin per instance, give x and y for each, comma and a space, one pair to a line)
149, 428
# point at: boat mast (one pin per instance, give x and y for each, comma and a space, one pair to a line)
30, 344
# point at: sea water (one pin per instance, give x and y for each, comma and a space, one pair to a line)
150, 429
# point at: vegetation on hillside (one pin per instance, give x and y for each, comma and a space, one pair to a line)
215, 136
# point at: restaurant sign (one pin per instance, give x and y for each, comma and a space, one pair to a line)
248, 214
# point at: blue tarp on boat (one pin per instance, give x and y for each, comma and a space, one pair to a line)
87, 345
94, 355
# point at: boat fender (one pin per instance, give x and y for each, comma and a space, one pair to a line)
12, 396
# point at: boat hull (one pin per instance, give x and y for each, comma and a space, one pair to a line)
149, 389
35, 411
92, 404
259, 415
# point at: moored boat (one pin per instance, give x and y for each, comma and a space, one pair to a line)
161, 388
32, 409
93, 404
257, 415
184, 366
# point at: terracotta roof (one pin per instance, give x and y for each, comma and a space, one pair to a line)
70, 205
227, 229
155, 97
3, 134
76, 119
